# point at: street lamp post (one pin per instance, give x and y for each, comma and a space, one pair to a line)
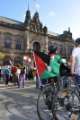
25, 60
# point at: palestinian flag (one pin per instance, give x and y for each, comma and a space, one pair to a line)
44, 57
41, 60
40, 64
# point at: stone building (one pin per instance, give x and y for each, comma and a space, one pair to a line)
16, 38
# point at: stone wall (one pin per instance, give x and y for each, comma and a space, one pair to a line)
27, 38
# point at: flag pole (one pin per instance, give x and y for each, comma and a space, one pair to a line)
38, 80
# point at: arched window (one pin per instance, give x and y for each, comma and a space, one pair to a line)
7, 42
36, 46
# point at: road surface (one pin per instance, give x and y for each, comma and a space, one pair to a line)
18, 104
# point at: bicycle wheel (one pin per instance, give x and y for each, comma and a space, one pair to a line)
65, 103
44, 103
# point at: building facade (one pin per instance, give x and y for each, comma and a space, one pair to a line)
16, 38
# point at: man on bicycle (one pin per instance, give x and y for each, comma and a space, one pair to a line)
53, 69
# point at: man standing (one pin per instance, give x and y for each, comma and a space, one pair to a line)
75, 66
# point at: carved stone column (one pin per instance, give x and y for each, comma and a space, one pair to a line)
27, 40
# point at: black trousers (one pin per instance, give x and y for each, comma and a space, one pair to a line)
6, 79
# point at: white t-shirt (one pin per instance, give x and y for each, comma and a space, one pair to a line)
76, 54
18, 72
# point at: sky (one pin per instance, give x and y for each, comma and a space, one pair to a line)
57, 15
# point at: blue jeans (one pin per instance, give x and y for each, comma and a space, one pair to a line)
77, 80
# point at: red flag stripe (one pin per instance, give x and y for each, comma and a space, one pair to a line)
40, 64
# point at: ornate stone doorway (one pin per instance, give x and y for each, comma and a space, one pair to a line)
36, 46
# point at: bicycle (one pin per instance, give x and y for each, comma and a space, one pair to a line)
54, 100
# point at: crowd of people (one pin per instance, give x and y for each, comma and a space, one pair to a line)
13, 74
54, 66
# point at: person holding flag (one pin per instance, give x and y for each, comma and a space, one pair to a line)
47, 65
53, 69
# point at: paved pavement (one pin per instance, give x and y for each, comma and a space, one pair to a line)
18, 104
12, 86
